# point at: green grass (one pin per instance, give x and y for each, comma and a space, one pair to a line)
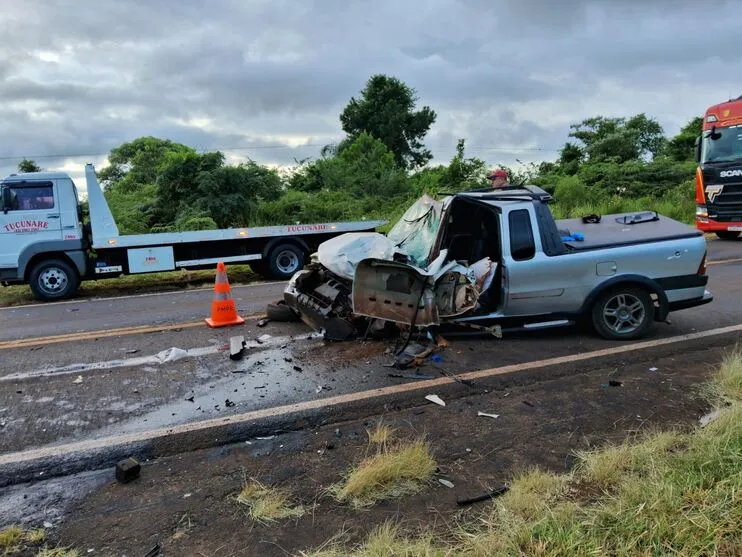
665, 493
136, 284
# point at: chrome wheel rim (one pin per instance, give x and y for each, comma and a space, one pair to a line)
624, 314
287, 261
53, 280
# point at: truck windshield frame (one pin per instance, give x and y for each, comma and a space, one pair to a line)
726, 148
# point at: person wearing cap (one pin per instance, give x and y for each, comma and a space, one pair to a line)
499, 178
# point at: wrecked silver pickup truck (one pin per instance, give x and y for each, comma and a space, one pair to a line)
498, 258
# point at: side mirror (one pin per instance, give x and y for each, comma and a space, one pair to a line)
7, 200
697, 149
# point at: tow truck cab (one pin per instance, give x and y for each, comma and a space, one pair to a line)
719, 173
41, 217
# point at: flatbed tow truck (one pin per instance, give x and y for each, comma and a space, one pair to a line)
44, 243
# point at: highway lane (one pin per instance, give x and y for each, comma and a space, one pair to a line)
40, 320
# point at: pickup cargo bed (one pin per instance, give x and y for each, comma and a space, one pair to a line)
609, 232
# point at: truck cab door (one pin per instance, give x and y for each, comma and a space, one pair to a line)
30, 214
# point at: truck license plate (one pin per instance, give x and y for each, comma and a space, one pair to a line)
734, 228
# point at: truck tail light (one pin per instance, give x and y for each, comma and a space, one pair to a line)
702, 266
700, 196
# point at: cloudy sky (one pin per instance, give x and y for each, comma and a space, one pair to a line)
267, 79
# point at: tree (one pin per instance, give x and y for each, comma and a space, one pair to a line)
138, 162
386, 111
618, 139
27, 165
463, 173
681, 148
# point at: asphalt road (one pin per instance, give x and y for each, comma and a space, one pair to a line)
92, 314
107, 385
39, 320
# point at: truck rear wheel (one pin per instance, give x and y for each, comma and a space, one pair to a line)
624, 313
285, 260
53, 279
727, 235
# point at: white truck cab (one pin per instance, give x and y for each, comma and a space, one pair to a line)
44, 243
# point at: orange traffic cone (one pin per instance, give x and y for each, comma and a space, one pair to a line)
223, 309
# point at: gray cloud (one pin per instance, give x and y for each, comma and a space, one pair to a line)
85, 76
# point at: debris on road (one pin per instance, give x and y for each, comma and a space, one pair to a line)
263, 322
236, 347
228, 403
154, 552
529, 403
486, 415
484, 497
298, 368
652, 369
128, 470
435, 399
263, 338
78, 380
171, 355
410, 376
615, 383
132, 351
446, 483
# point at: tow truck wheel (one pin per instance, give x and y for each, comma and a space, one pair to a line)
284, 260
623, 314
727, 235
53, 279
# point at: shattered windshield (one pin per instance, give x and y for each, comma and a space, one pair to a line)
416, 231
725, 145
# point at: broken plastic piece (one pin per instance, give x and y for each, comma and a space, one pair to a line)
486, 415
484, 497
236, 347
446, 483
78, 380
435, 399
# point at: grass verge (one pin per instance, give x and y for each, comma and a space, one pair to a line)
15, 540
666, 493
268, 504
137, 284
397, 469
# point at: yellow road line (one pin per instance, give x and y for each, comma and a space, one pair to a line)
216, 424
722, 261
88, 335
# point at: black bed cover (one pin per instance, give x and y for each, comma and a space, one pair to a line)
613, 231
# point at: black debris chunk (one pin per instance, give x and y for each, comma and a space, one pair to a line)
127, 470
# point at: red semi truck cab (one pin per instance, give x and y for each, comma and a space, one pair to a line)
719, 172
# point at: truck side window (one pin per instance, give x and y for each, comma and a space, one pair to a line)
522, 245
31, 198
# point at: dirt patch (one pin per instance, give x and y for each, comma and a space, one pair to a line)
187, 503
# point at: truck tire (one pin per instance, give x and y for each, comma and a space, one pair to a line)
284, 260
53, 279
623, 313
727, 235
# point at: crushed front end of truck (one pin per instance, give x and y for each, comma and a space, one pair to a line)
363, 283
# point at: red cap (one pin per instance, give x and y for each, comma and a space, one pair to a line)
499, 173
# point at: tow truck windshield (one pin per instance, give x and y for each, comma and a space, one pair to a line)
722, 145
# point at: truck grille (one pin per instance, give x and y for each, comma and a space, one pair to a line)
727, 207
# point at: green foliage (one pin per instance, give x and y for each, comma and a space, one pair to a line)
138, 163
681, 148
386, 111
130, 207
616, 139
463, 173
27, 165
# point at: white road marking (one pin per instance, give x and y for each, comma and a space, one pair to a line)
165, 356
60, 451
